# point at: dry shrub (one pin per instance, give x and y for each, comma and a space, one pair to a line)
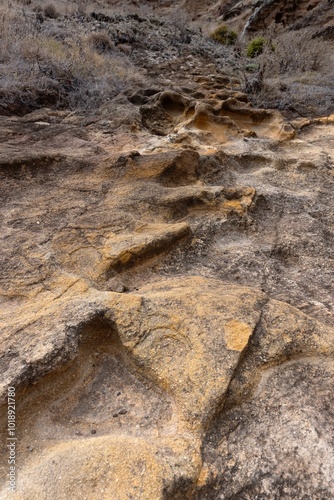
100, 41
80, 6
296, 75
51, 11
297, 52
181, 21
36, 69
12, 28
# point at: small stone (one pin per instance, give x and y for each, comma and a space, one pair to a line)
114, 285
119, 393
123, 411
115, 415
78, 433
93, 431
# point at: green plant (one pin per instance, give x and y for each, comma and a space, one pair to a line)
256, 46
224, 35
251, 67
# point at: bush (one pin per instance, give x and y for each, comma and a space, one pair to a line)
100, 41
40, 69
297, 52
224, 35
51, 12
251, 67
293, 71
256, 46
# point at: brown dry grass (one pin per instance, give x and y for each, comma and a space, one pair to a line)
100, 41
42, 68
298, 75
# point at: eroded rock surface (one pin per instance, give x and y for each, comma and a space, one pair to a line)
166, 296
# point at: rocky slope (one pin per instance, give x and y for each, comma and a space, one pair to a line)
166, 292
256, 15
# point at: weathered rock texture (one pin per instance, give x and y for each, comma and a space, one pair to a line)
257, 15
138, 297
166, 298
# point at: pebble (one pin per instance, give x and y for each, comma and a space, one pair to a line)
123, 411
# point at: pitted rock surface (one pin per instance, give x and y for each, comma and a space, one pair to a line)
166, 288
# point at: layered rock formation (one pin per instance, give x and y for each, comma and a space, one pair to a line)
166, 296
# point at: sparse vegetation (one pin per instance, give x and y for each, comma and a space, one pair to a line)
224, 35
297, 75
53, 55
44, 68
